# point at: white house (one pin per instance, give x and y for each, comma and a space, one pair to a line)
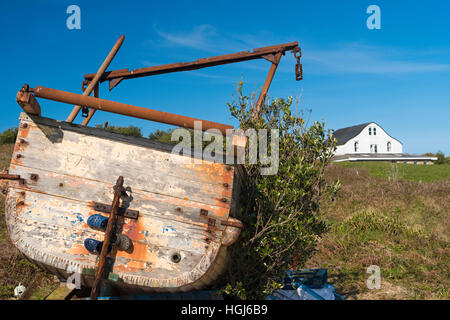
370, 142
366, 138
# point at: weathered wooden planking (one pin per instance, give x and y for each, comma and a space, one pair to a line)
72, 216
56, 239
156, 163
59, 202
101, 159
151, 204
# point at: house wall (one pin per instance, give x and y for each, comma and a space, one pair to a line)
381, 138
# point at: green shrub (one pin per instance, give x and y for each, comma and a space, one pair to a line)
8, 136
162, 136
129, 131
279, 212
367, 221
440, 158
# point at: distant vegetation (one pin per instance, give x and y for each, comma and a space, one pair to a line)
441, 158
129, 131
162, 136
8, 136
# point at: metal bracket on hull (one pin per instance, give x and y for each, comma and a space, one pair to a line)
6, 176
106, 208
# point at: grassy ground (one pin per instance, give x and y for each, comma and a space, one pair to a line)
14, 267
402, 171
399, 224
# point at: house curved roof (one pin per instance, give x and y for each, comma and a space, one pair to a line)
345, 134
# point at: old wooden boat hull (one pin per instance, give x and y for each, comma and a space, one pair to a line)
184, 207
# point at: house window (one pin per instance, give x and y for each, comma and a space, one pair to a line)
373, 148
356, 146
374, 131
389, 146
370, 131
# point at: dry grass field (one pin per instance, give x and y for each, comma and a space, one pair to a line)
400, 225
14, 268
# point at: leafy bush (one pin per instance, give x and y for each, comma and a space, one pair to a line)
279, 212
8, 136
129, 131
162, 136
364, 222
440, 158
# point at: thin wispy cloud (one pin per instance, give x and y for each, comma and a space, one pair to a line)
198, 38
205, 37
351, 58
364, 59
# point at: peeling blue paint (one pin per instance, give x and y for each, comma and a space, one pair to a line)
78, 219
168, 228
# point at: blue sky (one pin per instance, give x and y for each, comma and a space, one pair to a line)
398, 76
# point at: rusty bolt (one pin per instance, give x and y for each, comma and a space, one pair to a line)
61, 184
225, 185
211, 222
228, 168
22, 141
178, 209
223, 200
203, 212
18, 156
34, 176
24, 125
22, 193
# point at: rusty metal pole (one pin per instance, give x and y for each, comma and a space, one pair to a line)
92, 110
97, 76
126, 109
118, 191
265, 88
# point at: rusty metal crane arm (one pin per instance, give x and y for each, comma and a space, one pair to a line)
269, 53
